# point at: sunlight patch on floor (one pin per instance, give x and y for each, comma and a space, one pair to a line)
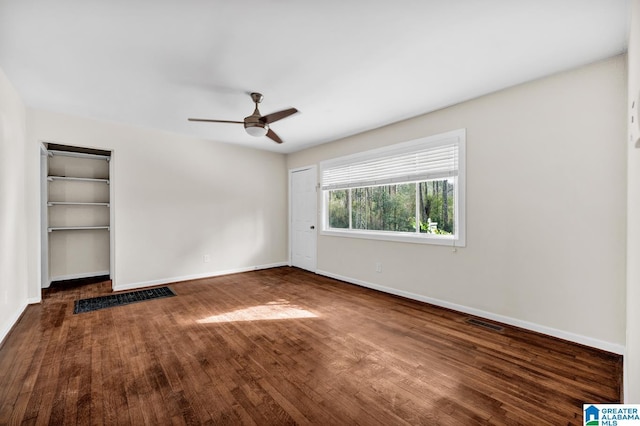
277, 310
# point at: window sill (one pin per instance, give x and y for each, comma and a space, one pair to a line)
388, 236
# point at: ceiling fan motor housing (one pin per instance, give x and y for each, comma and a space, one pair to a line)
252, 124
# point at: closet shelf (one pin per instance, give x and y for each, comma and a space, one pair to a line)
53, 152
76, 228
52, 178
71, 203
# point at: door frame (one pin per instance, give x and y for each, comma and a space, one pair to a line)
44, 218
314, 169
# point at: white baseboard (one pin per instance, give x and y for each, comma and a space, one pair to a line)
561, 334
34, 300
13, 319
162, 281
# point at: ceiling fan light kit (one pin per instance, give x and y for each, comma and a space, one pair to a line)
256, 129
257, 124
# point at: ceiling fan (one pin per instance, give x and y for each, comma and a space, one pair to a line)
257, 124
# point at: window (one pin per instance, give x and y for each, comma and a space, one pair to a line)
412, 191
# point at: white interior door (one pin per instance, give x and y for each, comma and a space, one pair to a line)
303, 229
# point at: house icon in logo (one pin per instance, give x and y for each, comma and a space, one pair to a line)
591, 416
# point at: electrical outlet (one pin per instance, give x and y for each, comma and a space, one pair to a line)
206, 258
378, 267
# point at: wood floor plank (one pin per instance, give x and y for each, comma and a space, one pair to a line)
284, 346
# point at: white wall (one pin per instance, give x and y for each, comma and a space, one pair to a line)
14, 254
632, 356
546, 204
178, 198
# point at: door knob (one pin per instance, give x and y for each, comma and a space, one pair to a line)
312, 227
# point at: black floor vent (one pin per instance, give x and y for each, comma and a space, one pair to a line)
484, 324
102, 302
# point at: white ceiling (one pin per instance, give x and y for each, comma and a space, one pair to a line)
348, 66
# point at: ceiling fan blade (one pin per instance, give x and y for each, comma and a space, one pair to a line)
215, 121
270, 118
272, 135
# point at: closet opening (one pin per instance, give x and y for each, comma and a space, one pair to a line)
77, 214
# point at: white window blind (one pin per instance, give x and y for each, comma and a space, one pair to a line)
425, 159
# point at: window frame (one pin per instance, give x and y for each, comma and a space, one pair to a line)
458, 239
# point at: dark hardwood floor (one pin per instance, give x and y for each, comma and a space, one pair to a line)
284, 346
